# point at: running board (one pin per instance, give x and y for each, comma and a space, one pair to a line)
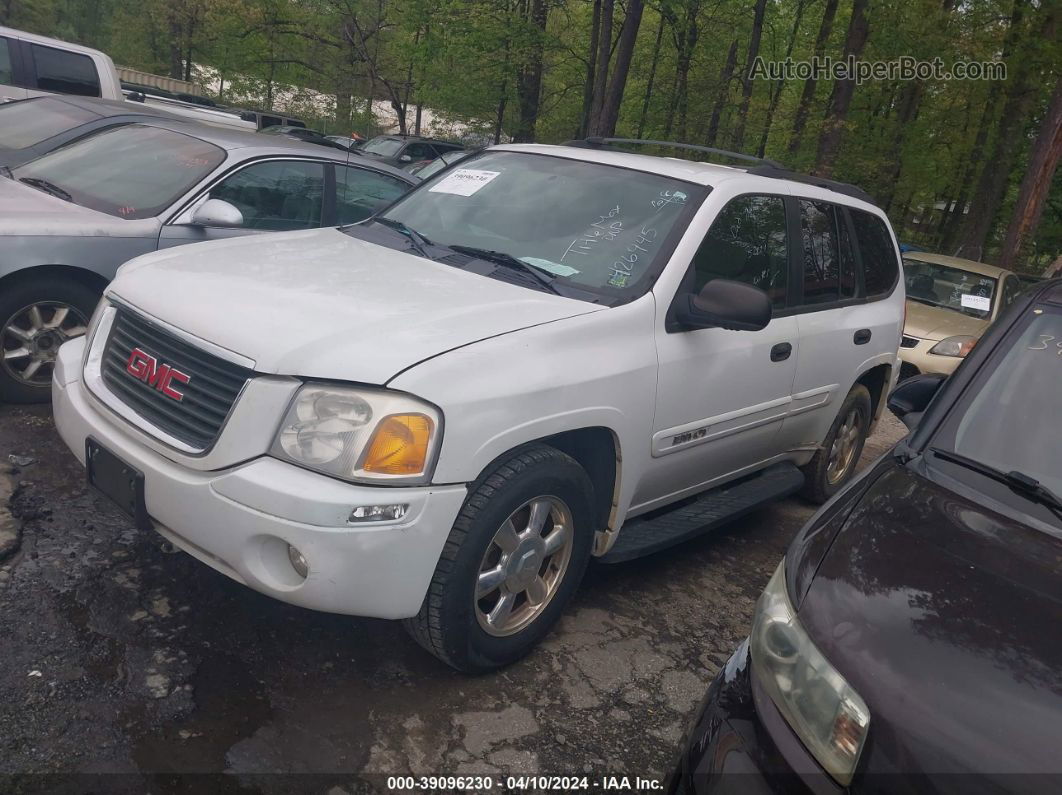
666, 527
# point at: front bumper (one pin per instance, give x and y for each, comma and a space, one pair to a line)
918, 359
241, 519
738, 742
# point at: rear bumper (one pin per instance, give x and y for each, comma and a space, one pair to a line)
240, 520
739, 743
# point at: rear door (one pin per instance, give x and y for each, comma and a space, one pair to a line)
848, 315
56, 71
11, 84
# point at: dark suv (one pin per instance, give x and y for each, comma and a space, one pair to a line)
401, 150
909, 640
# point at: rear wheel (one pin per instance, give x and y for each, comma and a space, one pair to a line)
37, 316
512, 561
834, 464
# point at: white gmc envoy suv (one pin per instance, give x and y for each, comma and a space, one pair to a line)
442, 413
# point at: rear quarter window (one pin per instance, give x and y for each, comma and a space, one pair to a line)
881, 264
64, 72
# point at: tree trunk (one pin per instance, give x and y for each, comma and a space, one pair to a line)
992, 185
746, 81
529, 74
807, 96
618, 81
721, 97
176, 65
910, 100
841, 95
1032, 195
652, 78
499, 119
604, 55
779, 85
591, 63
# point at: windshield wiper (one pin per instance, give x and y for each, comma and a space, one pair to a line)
418, 242
47, 187
1018, 481
508, 261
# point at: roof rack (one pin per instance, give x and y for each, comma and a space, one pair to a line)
598, 143
763, 167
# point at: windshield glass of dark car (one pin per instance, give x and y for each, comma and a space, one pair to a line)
135, 171
951, 288
1011, 421
592, 226
384, 147
31, 121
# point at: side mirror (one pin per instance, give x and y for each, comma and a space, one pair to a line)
912, 396
217, 212
405, 159
725, 304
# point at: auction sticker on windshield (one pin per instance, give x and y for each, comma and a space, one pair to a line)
463, 182
978, 302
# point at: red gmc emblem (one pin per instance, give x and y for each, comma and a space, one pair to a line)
146, 367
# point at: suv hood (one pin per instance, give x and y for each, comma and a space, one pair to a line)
322, 304
944, 617
936, 323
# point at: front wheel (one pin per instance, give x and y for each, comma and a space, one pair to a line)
512, 561
834, 464
37, 316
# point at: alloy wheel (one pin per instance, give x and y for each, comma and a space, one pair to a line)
843, 449
524, 566
30, 340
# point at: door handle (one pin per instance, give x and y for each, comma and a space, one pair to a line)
861, 337
781, 351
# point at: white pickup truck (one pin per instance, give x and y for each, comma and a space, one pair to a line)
546, 354
33, 66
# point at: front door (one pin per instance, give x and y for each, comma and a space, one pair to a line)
723, 395
272, 195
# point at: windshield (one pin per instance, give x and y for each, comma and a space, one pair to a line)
385, 147
952, 288
592, 226
1011, 423
29, 122
135, 171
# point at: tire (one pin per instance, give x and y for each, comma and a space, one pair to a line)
50, 295
821, 480
455, 625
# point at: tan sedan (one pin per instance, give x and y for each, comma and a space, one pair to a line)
950, 303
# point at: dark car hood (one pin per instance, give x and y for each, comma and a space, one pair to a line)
946, 618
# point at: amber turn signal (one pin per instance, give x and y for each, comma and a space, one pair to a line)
399, 446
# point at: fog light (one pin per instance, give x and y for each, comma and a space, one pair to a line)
298, 562
378, 513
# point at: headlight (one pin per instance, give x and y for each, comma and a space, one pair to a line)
818, 704
957, 346
359, 434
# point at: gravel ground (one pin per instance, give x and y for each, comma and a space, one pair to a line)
125, 660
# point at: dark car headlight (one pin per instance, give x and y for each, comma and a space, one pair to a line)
828, 716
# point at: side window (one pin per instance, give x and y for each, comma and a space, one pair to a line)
1011, 288
360, 193
64, 72
7, 71
880, 264
747, 243
276, 195
849, 284
820, 250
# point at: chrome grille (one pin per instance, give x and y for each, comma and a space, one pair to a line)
206, 399
908, 342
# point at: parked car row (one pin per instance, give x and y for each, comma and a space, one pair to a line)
438, 405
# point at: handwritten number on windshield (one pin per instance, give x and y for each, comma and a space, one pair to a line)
1043, 346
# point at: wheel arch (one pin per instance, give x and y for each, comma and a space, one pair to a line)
83, 276
877, 380
596, 448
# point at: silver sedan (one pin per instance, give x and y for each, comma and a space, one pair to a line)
71, 217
